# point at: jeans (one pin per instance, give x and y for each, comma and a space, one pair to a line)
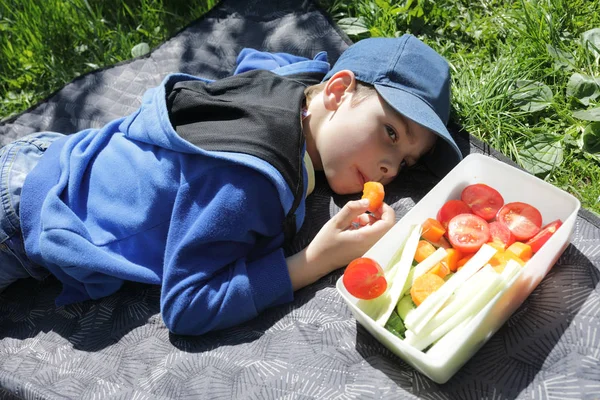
17, 159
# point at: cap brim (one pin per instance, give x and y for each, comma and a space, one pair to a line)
446, 153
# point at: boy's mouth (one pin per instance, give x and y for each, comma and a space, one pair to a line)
361, 178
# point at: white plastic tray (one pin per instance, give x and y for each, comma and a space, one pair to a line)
514, 185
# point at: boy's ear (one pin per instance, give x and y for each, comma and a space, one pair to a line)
340, 84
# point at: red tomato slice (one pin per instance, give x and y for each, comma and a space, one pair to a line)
500, 233
468, 232
542, 236
364, 279
522, 219
450, 210
484, 200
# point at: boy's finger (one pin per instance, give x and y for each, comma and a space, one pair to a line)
387, 220
350, 211
363, 219
384, 213
388, 214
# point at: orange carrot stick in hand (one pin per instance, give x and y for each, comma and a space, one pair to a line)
375, 193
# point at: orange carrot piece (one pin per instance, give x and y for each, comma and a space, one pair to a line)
433, 230
375, 193
452, 257
424, 250
501, 258
460, 263
440, 269
423, 286
521, 250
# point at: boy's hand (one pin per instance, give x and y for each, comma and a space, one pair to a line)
349, 234
346, 236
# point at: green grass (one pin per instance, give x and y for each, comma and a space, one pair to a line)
524, 79
45, 44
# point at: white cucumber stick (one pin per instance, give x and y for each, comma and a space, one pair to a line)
464, 295
398, 276
417, 320
507, 277
436, 329
373, 307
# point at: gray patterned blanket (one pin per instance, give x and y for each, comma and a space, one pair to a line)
118, 347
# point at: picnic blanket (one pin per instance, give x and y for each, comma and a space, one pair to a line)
118, 347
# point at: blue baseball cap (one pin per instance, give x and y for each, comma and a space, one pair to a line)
412, 78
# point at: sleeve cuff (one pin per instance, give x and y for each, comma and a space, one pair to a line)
270, 281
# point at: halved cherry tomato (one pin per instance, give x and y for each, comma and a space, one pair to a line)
522, 219
468, 232
364, 279
500, 233
484, 200
450, 210
542, 236
433, 230
375, 193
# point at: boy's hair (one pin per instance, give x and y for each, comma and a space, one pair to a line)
362, 92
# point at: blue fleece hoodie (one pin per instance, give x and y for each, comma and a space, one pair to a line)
135, 201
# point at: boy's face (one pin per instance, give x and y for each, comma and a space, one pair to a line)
369, 141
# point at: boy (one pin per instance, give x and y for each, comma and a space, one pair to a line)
199, 189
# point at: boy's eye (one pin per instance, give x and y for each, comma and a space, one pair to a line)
403, 164
391, 133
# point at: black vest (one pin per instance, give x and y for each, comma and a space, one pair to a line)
255, 113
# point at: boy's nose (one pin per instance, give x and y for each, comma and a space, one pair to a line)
388, 172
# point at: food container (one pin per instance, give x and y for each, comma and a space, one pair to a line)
514, 185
